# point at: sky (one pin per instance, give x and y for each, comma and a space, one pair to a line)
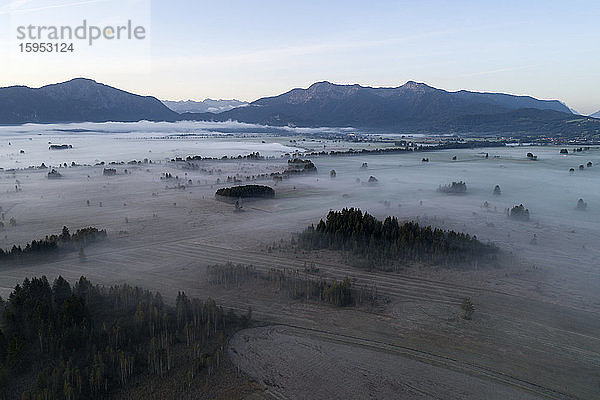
250, 49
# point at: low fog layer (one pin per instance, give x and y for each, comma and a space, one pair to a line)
32, 149
538, 312
558, 233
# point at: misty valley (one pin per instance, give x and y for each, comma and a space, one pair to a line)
228, 260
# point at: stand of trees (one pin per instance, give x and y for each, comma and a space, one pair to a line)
454, 187
83, 342
64, 241
298, 285
246, 191
519, 213
299, 166
387, 245
60, 146
254, 156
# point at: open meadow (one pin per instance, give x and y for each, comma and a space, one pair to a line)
535, 331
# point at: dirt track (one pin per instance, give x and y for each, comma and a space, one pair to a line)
321, 366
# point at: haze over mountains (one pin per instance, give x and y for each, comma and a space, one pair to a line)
410, 108
206, 105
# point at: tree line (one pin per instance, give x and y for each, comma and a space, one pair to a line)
84, 341
297, 285
65, 240
405, 147
389, 245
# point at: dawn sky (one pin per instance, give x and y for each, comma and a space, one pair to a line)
246, 50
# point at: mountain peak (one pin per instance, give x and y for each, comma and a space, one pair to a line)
329, 85
78, 100
322, 92
76, 82
417, 86
81, 80
321, 84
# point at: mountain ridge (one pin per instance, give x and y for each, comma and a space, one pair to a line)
420, 88
410, 108
78, 100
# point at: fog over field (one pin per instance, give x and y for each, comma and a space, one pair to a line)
93, 142
536, 322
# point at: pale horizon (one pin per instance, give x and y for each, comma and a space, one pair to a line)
248, 51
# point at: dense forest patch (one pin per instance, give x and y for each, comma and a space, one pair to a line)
86, 341
246, 191
389, 245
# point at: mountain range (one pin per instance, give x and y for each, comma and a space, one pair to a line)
596, 114
206, 105
410, 108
